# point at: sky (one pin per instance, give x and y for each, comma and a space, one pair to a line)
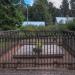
56, 3
29, 2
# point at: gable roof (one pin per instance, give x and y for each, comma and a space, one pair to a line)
35, 23
64, 20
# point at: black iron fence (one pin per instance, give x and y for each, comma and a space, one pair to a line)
28, 49
69, 41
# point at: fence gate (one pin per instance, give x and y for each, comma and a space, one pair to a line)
33, 49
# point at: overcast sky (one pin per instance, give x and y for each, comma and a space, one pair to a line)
56, 3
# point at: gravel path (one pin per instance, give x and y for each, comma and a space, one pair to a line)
36, 72
46, 49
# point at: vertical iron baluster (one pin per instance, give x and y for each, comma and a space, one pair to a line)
20, 34
30, 39
18, 52
32, 43
14, 45
31, 64
62, 62
23, 44
65, 49
41, 53
0, 48
26, 44
50, 46
56, 44
47, 49
60, 51
8, 46
44, 51
53, 50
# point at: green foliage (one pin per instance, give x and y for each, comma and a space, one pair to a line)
11, 17
52, 11
40, 12
38, 44
71, 26
38, 47
59, 27
72, 3
62, 27
29, 28
39, 28
14, 1
65, 8
68, 26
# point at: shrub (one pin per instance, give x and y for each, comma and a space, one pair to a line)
71, 25
38, 48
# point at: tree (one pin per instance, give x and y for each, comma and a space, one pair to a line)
53, 11
72, 4
11, 17
41, 12
65, 8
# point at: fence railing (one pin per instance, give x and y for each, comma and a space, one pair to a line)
37, 49
69, 41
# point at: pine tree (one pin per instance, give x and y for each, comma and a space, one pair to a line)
65, 8
72, 11
72, 3
41, 11
10, 16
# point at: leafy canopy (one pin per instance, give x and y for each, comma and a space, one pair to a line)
11, 16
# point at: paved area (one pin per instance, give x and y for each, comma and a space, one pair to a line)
46, 49
36, 72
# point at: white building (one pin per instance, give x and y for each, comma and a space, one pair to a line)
35, 23
63, 20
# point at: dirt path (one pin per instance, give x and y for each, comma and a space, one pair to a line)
36, 72
7, 57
